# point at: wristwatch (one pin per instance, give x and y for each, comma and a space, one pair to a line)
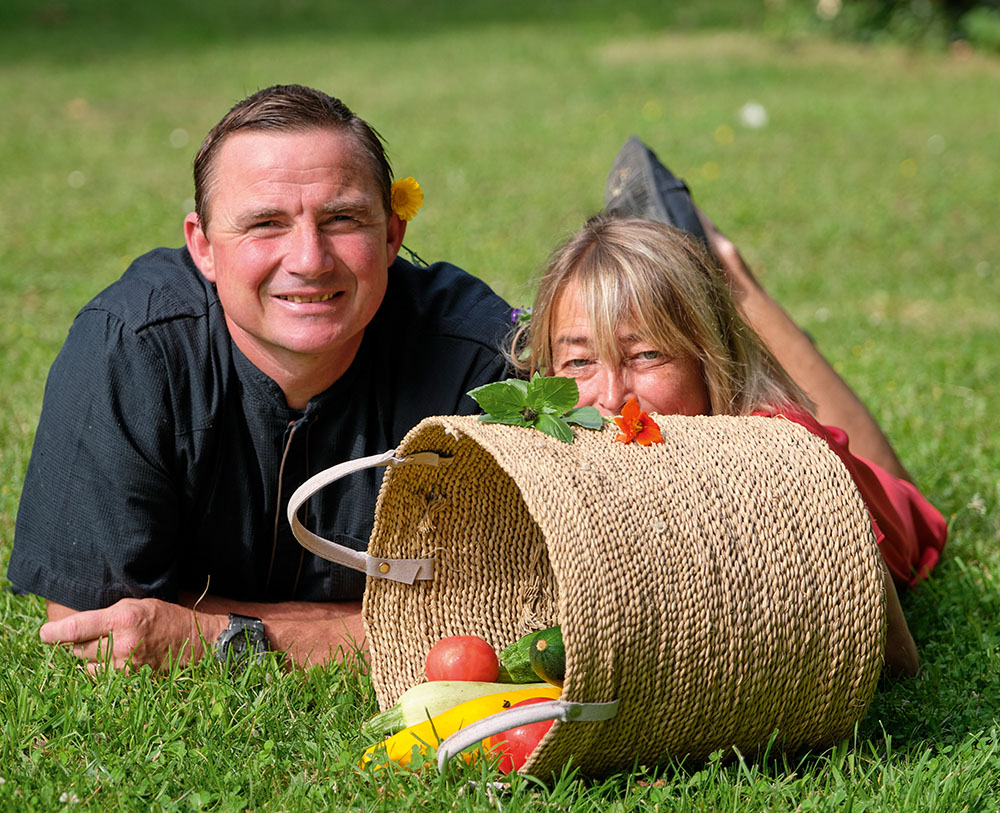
242, 639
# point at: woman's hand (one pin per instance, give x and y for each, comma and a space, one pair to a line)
901, 656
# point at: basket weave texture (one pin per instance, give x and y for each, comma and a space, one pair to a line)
723, 584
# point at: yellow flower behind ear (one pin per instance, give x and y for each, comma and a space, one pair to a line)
406, 198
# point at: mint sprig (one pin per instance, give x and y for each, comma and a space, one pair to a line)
545, 403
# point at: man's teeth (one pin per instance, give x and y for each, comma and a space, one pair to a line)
320, 298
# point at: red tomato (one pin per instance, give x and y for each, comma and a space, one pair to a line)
516, 744
462, 657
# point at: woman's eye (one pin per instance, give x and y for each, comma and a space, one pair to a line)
574, 365
649, 355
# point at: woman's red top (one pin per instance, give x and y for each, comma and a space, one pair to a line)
910, 531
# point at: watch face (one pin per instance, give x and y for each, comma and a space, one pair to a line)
243, 638
240, 643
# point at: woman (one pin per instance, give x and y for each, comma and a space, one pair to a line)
632, 308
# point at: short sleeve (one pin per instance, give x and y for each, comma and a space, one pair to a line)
911, 532
98, 517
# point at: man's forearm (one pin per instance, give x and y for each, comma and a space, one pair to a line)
311, 632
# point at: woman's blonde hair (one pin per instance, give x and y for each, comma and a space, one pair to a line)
669, 287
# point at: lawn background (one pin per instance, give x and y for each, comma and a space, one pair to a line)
867, 204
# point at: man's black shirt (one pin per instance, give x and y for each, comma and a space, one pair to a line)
164, 459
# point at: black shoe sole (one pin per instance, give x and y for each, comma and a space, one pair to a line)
639, 185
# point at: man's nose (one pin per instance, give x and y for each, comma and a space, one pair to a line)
309, 252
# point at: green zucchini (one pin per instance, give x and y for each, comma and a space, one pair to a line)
515, 667
547, 656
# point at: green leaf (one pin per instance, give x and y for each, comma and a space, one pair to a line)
520, 383
501, 399
588, 417
552, 394
557, 427
541, 402
511, 420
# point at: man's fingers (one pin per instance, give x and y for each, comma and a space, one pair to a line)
85, 626
137, 631
95, 650
100, 654
88, 635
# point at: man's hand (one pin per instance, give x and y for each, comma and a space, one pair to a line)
144, 630
138, 631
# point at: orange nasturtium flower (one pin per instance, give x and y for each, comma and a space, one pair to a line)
406, 197
637, 425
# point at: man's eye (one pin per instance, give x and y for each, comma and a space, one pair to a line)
337, 219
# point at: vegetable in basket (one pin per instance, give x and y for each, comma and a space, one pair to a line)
428, 734
462, 657
548, 656
516, 664
426, 700
516, 744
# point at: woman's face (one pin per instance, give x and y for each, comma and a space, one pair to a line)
661, 383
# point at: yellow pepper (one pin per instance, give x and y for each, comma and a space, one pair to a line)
429, 733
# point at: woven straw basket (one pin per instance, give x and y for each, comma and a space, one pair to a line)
711, 589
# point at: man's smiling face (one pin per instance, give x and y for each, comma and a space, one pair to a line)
298, 245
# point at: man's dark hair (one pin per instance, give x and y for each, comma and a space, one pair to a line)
287, 108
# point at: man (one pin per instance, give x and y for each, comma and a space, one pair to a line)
196, 393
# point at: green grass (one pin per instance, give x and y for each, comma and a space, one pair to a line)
867, 204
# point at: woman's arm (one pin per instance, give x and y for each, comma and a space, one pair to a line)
836, 403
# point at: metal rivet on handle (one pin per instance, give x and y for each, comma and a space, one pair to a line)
383, 568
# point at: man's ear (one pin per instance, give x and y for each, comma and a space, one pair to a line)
199, 247
395, 229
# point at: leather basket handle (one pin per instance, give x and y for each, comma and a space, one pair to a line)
400, 570
522, 715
